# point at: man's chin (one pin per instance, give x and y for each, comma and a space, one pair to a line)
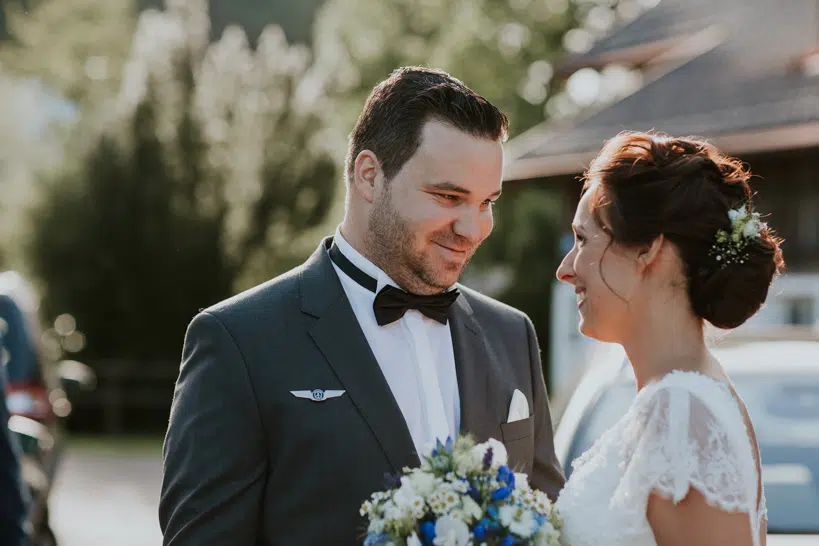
447, 276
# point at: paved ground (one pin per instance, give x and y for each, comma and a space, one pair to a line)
106, 493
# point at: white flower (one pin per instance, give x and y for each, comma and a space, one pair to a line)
376, 526
465, 462
737, 214
408, 500
499, 456
470, 510
521, 522
413, 540
507, 514
547, 536
521, 481
394, 512
525, 497
752, 229
524, 525
450, 531
422, 482
444, 499
542, 503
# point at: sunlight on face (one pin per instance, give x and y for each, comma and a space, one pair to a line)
431, 217
603, 276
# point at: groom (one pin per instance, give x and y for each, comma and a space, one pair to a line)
296, 398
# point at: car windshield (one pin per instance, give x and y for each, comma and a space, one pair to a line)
785, 413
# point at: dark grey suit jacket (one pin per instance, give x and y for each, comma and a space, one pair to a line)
247, 463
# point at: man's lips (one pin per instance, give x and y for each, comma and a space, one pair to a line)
453, 249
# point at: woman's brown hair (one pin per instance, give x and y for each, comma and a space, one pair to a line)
647, 185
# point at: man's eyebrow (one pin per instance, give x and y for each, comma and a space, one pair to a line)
455, 188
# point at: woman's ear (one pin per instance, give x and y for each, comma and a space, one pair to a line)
648, 255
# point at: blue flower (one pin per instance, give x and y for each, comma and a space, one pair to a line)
502, 493
473, 492
442, 448
508, 541
375, 540
492, 512
506, 476
427, 532
480, 531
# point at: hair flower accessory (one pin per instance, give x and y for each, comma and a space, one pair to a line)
731, 247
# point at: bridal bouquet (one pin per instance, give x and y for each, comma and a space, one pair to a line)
462, 494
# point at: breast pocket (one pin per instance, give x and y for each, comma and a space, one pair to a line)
519, 439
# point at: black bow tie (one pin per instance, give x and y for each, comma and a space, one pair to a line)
392, 303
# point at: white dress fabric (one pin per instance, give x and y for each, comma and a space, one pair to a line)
684, 431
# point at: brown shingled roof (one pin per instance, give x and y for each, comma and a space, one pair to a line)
745, 93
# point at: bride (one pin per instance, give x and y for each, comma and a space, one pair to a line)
666, 239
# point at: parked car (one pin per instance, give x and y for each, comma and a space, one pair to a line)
38, 393
777, 375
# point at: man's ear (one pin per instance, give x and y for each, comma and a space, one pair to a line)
366, 171
648, 254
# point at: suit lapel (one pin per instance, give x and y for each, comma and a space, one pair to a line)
339, 337
473, 367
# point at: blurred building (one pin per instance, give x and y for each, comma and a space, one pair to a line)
742, 73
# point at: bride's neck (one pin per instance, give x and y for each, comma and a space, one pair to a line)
668, 338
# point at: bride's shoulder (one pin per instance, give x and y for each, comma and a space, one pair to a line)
694, 391
687, 430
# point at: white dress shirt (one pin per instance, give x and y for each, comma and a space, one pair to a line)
415, 355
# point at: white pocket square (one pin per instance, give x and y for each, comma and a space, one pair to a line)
519, 408
317, 395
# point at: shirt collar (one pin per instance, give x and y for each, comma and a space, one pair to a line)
362, 263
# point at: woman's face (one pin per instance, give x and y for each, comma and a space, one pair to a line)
604, 276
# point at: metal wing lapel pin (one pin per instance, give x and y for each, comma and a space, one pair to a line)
317, 395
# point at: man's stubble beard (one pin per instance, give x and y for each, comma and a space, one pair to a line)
390, 241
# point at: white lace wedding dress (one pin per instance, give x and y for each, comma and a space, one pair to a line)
684, 431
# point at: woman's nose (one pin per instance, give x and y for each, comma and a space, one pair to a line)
565, 272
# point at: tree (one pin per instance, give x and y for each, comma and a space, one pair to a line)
212, 166
78, 47
504, 49
295, 18
75, 47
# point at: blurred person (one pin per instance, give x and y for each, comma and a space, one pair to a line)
296, 398
13, 498
666, 239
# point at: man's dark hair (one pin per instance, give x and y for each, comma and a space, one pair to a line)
397, 109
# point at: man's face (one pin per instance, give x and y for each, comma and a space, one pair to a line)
427, 222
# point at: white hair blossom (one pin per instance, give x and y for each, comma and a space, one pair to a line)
731, 247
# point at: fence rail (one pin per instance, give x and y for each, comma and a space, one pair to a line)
129, 395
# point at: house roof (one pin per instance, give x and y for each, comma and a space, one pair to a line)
652, 31
745, 91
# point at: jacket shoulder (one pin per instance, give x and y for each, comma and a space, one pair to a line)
484, 305
279, 293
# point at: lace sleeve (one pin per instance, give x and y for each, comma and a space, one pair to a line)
684, 437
